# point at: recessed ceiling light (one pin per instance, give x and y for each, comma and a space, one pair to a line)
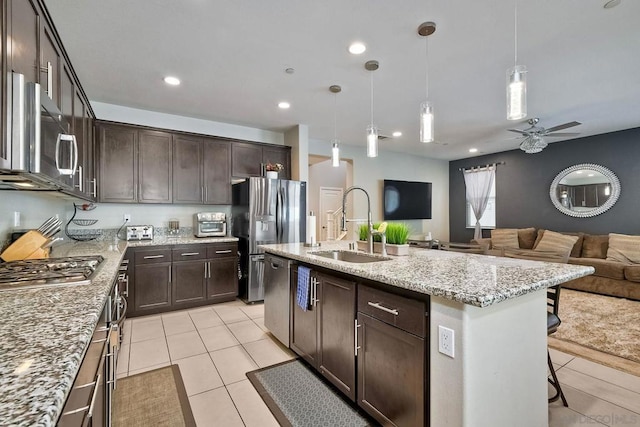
284, 105
173, 81
473, 150
357, 48
397, 134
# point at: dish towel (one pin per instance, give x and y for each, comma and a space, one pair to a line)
302, 296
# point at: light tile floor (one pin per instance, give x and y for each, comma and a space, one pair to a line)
217, 345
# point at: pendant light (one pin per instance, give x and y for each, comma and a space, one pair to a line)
516, 81
372, 130
426, 108
335, 149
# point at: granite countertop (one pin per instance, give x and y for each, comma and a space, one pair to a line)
479, 280
44, 332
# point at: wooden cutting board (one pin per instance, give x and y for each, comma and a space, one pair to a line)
26, 246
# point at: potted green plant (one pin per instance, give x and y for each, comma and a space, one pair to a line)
396, 233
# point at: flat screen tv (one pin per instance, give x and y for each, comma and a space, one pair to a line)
406, 200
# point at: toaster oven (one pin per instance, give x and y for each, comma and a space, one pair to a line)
210, 224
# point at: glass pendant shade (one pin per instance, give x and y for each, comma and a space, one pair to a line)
426, 122
517, 92
335, 154
372, 141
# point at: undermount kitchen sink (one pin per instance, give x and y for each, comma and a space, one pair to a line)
350, 256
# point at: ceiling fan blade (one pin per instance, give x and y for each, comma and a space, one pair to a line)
519, 131
562, 126
563, 134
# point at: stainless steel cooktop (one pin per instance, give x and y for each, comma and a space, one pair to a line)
36, 273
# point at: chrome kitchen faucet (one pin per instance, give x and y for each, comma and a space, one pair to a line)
369, 222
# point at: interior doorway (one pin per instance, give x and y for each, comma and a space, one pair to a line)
333, 181
330, 208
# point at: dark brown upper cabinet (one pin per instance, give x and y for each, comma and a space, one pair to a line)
217, 172
154, 167
201, 170
250, 159
23, 34
246, 160
50, 64
118, 164
134, 165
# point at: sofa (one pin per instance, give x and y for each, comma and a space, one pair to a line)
615, 257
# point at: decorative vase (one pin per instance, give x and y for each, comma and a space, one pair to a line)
272, 174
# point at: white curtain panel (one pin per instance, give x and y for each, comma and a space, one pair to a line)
478, 183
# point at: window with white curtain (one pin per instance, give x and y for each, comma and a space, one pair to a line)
488, 219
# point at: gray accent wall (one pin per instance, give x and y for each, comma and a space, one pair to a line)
523, 182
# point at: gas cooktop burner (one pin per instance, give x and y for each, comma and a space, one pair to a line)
48, 272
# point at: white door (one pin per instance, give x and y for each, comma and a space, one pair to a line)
328, 223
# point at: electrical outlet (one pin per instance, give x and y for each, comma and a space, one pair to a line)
446, 341
16, 219
127, 217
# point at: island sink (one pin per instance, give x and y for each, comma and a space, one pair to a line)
349, 256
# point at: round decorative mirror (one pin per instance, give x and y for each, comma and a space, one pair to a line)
584, 190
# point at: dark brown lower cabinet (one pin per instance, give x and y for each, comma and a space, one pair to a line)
188, 282
170, 277
324, 334
153, 287
391, 373
222, 284
392, 360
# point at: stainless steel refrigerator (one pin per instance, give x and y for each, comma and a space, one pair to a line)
265, 211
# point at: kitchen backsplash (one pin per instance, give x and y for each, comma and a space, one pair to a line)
36, 207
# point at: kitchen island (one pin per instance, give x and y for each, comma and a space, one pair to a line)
496, 308
44, 332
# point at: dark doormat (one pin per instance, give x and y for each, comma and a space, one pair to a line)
297, 397
154, 398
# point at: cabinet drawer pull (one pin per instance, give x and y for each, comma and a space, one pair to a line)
380, 307
355, 333
93, 398
228, 251
153, 256
190, 253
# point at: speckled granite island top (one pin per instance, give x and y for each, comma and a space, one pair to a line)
44, 333
479, 280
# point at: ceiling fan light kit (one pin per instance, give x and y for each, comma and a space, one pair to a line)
534, 142
426, 108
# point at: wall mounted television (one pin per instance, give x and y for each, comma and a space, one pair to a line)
404, 200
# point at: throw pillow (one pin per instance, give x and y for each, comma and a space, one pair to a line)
504, 238
526, 237
624, 248
576, 251
556, 242
595, 246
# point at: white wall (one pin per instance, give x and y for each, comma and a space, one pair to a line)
369, 173
118, 113
34, 207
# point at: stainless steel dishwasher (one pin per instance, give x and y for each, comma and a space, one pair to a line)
276, 296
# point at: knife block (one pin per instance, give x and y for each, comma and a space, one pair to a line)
27, 246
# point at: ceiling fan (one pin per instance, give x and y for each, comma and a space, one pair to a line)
534, 142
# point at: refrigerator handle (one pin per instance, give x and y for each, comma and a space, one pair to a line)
283, 203
278, 213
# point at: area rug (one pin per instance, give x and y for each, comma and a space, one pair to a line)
297, 397
599, 328
153, 398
